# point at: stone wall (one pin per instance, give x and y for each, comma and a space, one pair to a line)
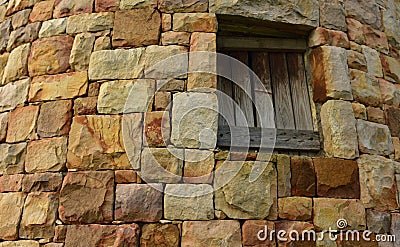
67, 68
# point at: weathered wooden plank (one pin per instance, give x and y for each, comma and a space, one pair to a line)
284, 118
295, 140
256, 43
299, 90
241, 85
225, 94
263, 91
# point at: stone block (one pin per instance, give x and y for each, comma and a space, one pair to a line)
391, 68
389, 92
295, 208
10, 215
85, 106
54, 118
125, 177
303, 176
90, 22
188, 202
367, 13
376, 115
375, 39
284, 175
57, 87
156, 129
195, 22
374, 138
42, 11
137, 27
64, 8
250, 229
87, 197
360, 111
356, 60
106, 5
53, 28
5, 30
42, 182
20, 243
20, 18
138, 202
288, 226
46, 155
199, 166
322, 36
175, 6
392, 115
3, 125
355, 31
23, 35
81, 51
175, 38
378, 222
166, 22
17, 64
12, 158
137, 4
22, 124
166, 235
11, 183
374, 64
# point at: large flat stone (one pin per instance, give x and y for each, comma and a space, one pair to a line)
17, 64
10, 215
390, 94
23, 35
199, 166
42, 182
167, 235
53, 28
90, 22
81, 51
332, 15
374, 138
54, 118
365, 88
22, 124
295, 208
392, 115
367, 13
64, 8
174, 6
195, 22
14, 94
12, 158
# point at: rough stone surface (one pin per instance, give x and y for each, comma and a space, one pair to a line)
356, 60
194, 120
22, 124
330, 74
39, 215
132, 131
161, 165
20, 18
391, 68
374, 138
137, 27
378, 222
5, 30
339, 129
194, 22
303, 177
337, 178
85, 106
117, 64
125, 177
250, 228
390, 93
106, 5
41, 182
375, 39
392, 115
14, 94
295, 208
287, 227
377, 182
328, 210
11, 183
3, 63
188, 202
17, 65
97, 235
87, 197
137, 4
20, 243
54, 118
197, 233
175, 38
373, 61
321, 36
174, 6
304, 13
50, 55
376, 115
332, 15
81, 51
367, 13
42, 11
53, 28
163, 235
156, 129
3, 125
10, 215
199, 166
95, 142
138, 202
284, 175
360, 111
23, 35
90, 22
46, 155
166, 22
56, 87
396, 145
64, 8
12, 158
239, 196
355, 31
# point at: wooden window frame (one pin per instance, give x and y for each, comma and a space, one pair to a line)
286, 139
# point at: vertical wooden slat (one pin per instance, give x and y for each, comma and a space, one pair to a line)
241, 76
281, 91
262, 93
224, 86
300, 96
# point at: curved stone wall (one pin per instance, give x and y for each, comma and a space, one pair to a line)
79, 167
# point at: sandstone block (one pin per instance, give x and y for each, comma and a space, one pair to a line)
95, 235
162, 101
197, 233
195, 22
87, 197
374, 138
12, 158
125, 177
284, 175
355, 31
395, 223
391, 68
295, 208
90, 22
389, 92
396, 145
378, 222
321, 36
303, 177
3, 63
339, 129
365, 88
132, 131
56, 87
166, 235
11, 183
258, 201
330, 74
194, 120
332, 15
250, 228
356, 60
373, 61
14, 94
106, 5
39, 215
137, 4
20, 243
367, 13
289, 226
328, 210
81, 51
20, 18
54, 118
137, 27
17, 64
23, 35
102, 43
360, 111
10, 215
175, 38
188, 202
174, 6
166, 22
138, 202
42, 11
85, 106
375, 39
116, 64
5, 30
377, 182
46, 155
376, 115
41, 182
3, 125
199, 166
50, 55
53, 28
64, 8
161, 165
337, 178
22, 124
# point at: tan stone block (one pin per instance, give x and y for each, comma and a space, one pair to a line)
50, 55
169, 85
46, 155
360, 111
156, 129
17, 64
175, 38
199, 166
42, 11
138, 4
20, 243
10, 215
85, 106
23, 35
284, 175
391, 68
125, 176
90, 22
375, 39
39, 215
373, 61
53, 28
356, 60
355, 31
20, 18
376, 115
54, 118
3, 63
64, 8
12, 158
389, 92
166, 22
167, 235
87, 197
392, 115
295, 208
22, 124
81, 51
174, 6
40, 182
102, 43
14, 94
286, 227
11, 183
250, 229
55, 87
197, 233
321, 36
162, 101
374, 138
106, 5
195, 22
137, 27
5, 30
3, 125
396, 146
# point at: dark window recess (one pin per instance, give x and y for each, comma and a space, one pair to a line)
282, 74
